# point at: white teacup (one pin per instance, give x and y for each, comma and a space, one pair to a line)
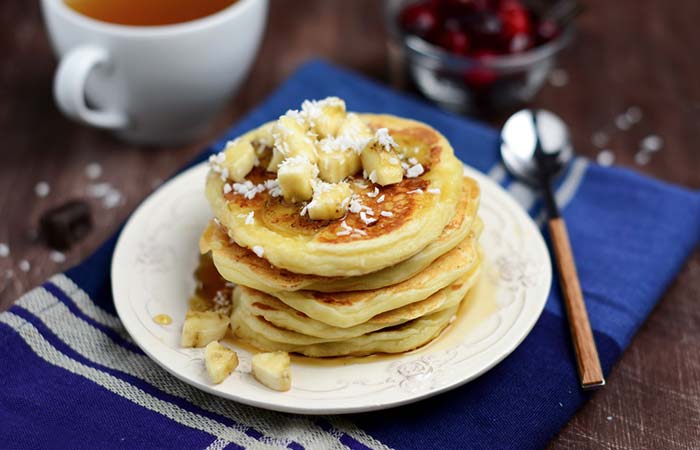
152, 84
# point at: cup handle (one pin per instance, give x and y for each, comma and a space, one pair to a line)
69, 87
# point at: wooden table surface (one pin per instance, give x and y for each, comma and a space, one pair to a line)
641, 53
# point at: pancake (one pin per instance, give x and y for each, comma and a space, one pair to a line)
401, 338
347, 309
292, 327
290, 241
241, 266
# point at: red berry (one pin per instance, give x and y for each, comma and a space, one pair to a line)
454, 41
515, 19
486, 31
419, 19
546, 31
480, 76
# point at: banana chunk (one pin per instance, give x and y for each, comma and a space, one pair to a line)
295, 176
203, 327
240, 158
325, 115
273, 370
263, 142
355, 128
330, 201
339, 157
291, 139
335, 164
219, 361
263, 137
380, 161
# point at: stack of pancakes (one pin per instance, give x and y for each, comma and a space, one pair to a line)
351, 286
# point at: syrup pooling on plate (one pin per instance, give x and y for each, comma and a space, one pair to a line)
162, 319
212, 292
477, 307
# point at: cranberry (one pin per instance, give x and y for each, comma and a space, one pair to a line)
454, 41
486, 28
515, 18
546, 31
419, 19
480, 76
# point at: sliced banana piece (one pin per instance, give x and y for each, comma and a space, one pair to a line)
379, 160
203, 327
219, 361
325, 116
273, 370
295, 176
291, 138
354, 127
337, 164
240, 157
330, 201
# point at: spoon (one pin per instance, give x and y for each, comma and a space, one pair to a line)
536, 148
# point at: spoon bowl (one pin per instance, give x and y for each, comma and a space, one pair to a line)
535, 145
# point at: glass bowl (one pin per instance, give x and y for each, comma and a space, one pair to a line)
466, 85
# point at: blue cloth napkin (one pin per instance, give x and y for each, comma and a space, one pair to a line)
72, 378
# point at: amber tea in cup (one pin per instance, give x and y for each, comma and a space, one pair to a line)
148, 12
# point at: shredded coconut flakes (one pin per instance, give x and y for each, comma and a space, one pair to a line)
93, 170
373, 176
384, 139
414, 171
57, 257
42, 189
247, 189
24, 266
273, 187
360, 184
366, 219
250, 218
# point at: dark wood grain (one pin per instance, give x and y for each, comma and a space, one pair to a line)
627, 53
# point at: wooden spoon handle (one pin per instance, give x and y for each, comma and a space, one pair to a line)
589, 369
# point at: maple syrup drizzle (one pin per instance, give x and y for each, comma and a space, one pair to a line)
162, 319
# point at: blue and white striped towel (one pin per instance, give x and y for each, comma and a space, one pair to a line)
72, 378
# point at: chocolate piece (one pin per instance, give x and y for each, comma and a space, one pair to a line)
65, 225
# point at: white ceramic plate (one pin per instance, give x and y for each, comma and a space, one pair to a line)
152, 274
